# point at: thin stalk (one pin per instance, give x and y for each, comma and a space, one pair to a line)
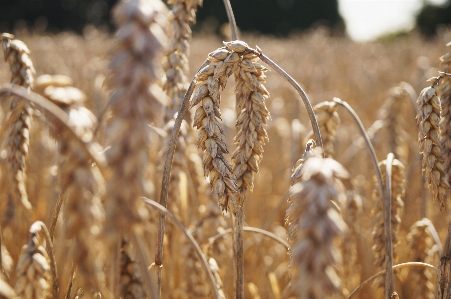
60, 115
150, 282
193, 242
251, 229
166, 178
70, 283
380, 273
239, 254
389, 283
35, 228
299, 89
444, 273
55, 214
231, 18
367, 141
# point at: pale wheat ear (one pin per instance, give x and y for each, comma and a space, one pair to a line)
83, 184
16, 53
313, 253
35, 260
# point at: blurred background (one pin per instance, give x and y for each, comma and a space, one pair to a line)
359, 19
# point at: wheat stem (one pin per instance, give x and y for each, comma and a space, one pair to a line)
193, 242
239, 253
389, 284
367, 141
301, 92
380, 273
70, 283
55, 214
61, 116
166, 177
256, 230
231, 18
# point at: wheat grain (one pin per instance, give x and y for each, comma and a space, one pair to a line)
22, 73
6, 291
397, 206
83, 184
313, 254
429, 138
135, 102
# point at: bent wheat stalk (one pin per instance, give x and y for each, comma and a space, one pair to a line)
380, 273
197, 249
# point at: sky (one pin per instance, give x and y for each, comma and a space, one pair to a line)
368, 19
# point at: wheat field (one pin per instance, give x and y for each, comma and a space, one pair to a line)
86, 127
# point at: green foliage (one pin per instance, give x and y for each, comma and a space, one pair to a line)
431, 16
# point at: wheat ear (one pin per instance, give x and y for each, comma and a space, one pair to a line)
444, 92
422, 249
22, 73
33, 268
379, 212
136, 101
429, 138
83, 184
313, 254
328, 120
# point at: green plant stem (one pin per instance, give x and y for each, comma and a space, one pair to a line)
193, 242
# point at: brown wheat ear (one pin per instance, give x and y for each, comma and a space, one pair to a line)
428, 120
328, 120
22, 73
313, 253
397, 206
444, 92
83, 184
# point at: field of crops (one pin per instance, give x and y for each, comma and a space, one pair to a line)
86, 128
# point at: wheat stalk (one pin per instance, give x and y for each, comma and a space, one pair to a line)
313, 254
16, 53
83, 184
429, 138
379, 212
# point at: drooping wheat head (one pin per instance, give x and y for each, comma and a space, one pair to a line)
313, 253
397, 206
428, 120
211, 140
136, 102
252, 115
83, 184
444, 92
16, 53
33, 270
328, 120
421, 244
